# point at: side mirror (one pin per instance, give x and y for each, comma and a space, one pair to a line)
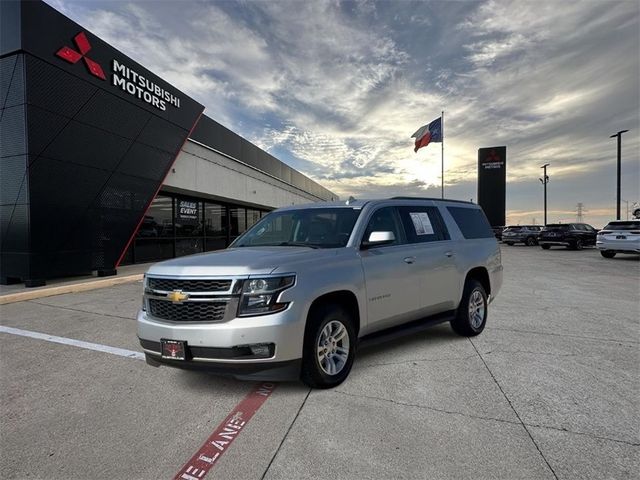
379, 238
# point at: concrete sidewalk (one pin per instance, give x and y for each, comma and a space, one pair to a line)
18, 292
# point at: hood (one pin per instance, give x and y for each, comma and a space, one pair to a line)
240, 261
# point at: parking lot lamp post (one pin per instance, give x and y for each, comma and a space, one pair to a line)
619, 135
544, 180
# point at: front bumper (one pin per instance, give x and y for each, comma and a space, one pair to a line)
209, 344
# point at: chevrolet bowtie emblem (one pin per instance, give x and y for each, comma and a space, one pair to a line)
177, 296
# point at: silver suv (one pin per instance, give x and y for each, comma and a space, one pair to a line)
295, 294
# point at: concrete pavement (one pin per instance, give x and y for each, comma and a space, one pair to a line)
549, 390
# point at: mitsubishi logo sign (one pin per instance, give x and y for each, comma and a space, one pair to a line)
72, 56
123, 76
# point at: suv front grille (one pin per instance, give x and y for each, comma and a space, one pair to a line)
188, 311
170, 284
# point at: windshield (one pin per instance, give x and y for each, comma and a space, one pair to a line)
513, 229
312, 227
630, 225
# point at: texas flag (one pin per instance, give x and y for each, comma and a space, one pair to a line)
428, 133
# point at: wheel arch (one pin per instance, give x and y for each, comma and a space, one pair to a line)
481, 275
344, 298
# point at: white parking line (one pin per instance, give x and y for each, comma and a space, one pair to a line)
75, 343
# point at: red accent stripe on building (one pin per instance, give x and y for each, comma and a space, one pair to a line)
224, 435
157, 190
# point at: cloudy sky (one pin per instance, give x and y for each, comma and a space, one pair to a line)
335, 89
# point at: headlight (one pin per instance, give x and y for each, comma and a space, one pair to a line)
144, 290
260, 295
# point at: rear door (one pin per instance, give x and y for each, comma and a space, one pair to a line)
435, 258
390, 272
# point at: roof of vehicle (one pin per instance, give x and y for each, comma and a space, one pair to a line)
357, 203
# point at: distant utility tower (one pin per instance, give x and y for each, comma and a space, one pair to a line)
580, 211
533, 221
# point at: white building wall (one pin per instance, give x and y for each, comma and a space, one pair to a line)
203, 172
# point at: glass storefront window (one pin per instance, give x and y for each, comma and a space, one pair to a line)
252, 217
189, 246
158, 221
188, 217
179, 225
215, 220
238, 221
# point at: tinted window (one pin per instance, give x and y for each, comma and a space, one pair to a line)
385, 220
630, 225
423, 224
558, 226
471, 221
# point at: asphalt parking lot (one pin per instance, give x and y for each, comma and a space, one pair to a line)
549, 390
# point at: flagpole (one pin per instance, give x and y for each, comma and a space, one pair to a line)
442, 145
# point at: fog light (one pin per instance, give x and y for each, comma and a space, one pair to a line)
262, 351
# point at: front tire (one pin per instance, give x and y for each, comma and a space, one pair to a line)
545, 246
509, 243
329, 347
471, 316
530, 242
607, 253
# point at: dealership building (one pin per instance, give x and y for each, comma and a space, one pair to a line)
104, 163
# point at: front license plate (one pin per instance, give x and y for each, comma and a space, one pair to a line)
621, 237
173, 349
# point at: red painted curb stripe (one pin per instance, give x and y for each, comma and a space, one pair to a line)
224, 435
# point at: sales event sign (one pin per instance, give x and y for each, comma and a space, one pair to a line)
187, 212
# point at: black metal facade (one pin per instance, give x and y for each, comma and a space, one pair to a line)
81, 159
82, 156
492, 180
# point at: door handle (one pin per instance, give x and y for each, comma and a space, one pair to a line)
449, 254
409, 259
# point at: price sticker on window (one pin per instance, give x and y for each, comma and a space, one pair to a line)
422, 223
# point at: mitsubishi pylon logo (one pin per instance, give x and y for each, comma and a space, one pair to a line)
72, 56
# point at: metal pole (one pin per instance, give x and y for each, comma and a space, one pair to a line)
618, 170
618, 179
545, 195
442, 145
544, 180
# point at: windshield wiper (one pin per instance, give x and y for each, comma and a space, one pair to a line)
297, 244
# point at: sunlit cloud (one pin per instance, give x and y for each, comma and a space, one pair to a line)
335, 89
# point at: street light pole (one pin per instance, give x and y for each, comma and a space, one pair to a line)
619, 135
544, 180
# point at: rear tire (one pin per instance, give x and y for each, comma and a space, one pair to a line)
329, 347
471, 316
545, 247
530, 242
607, 253
509, 243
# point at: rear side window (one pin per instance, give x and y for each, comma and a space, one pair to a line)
471, 221
423, 224
630, 225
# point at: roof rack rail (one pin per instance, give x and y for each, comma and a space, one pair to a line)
432, 198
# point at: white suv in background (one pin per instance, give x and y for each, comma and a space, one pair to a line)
619, 236
293, 296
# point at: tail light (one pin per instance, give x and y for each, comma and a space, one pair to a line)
605, 232
635, 232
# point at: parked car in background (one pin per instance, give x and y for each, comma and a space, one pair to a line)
619, 236
571, 235
497, 231
527, 234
